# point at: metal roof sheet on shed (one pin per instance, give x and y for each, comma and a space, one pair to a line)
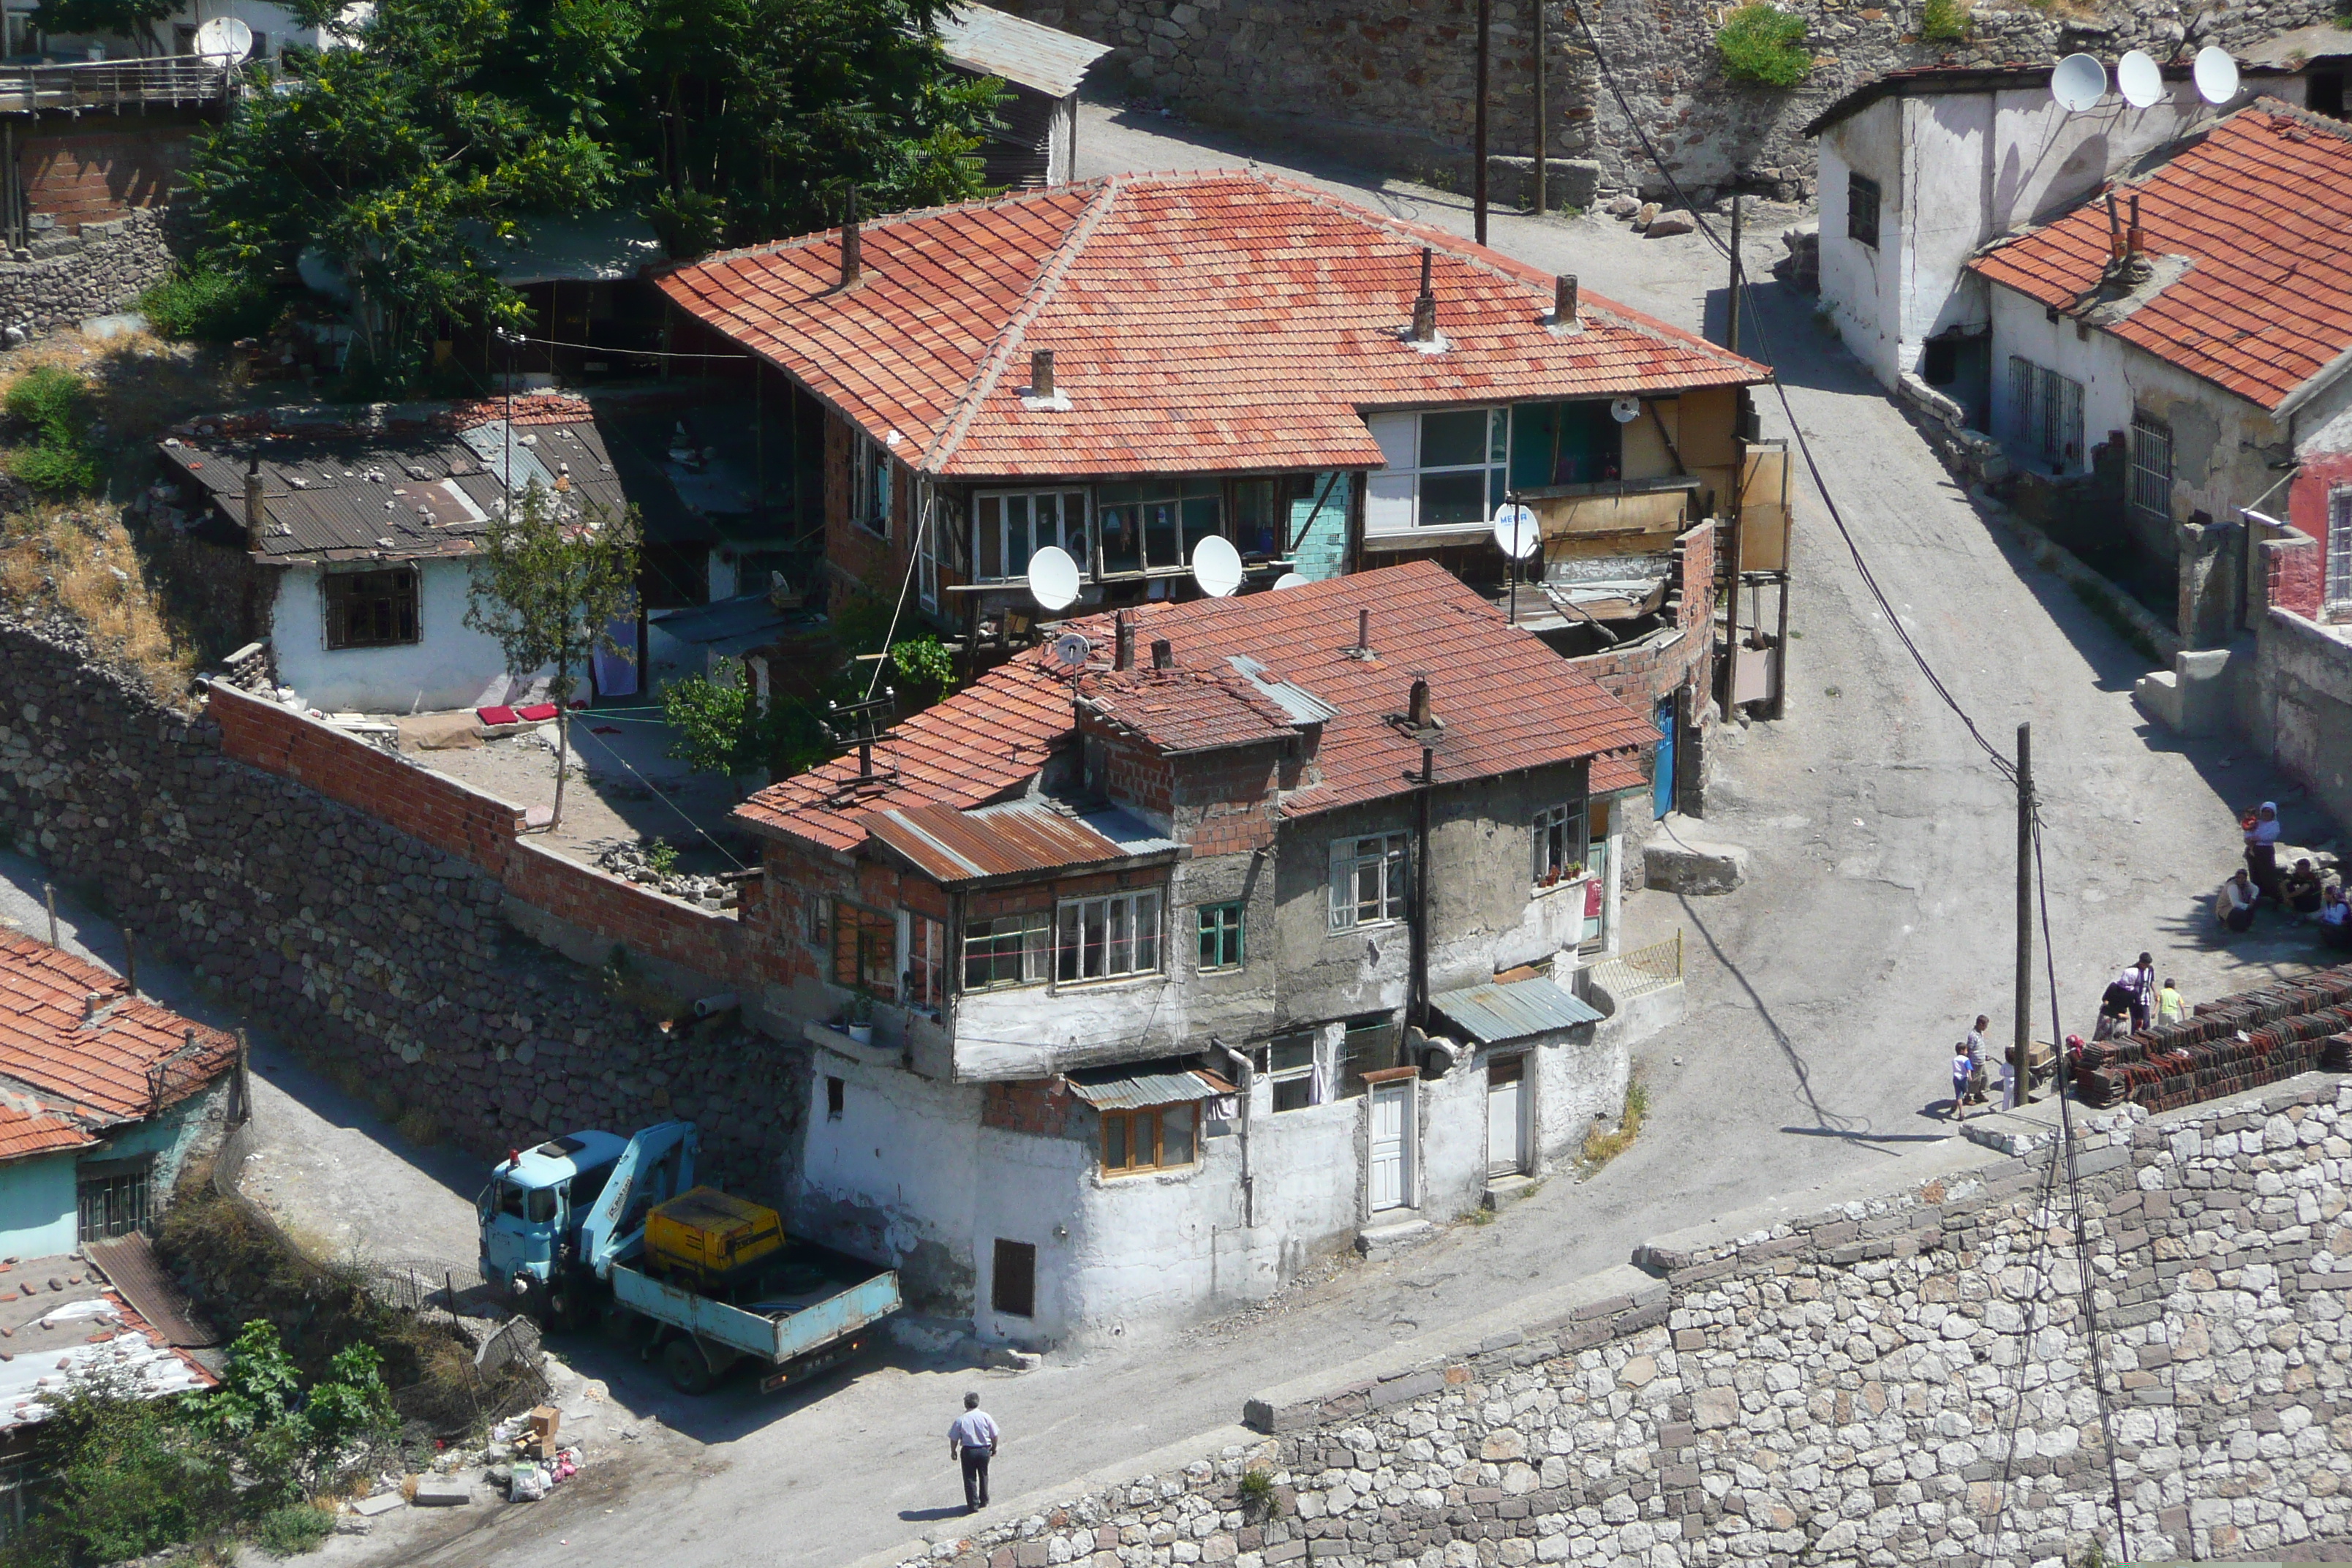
1494, 1012
990, 42
1127, 1089
1016, 838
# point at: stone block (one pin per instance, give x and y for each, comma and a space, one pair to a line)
443, 1492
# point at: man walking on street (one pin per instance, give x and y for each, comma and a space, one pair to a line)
972, 1437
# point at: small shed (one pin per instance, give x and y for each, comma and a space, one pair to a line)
1037, 125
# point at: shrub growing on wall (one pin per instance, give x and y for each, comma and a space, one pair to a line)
1947, 22
1764, 44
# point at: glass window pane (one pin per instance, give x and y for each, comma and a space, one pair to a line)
1017, 544
1294, 1094
1202, 518
1176, 1135
1447, 499
1288, 1055
1498, 435
1146, 932
1068, 966
1161, 545
1122, 539
1453, 440
991, 534
1147, 1139
1115, 1140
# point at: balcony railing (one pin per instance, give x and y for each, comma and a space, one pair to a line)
107, 84
1642, 971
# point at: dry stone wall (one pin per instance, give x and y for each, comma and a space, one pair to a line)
355, 942
1900, 1380
1392, 81
59, 278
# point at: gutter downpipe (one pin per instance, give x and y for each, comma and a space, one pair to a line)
1244, 1073
1418, 1001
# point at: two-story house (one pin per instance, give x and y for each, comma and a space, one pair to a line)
1123, 367
1207, 937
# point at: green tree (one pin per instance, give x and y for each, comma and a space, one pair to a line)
133, 19
296, 1443
130, 1478
548, 584
1760, 43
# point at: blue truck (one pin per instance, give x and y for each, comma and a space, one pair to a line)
564, 1228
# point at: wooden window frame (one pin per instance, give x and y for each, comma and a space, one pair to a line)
1298, 1081
870, 484
1146, 953
1865, 200
395, 591
862, 973
1556, 829
1151, 1120
1072, 537
1222, 925
2335, 590
924, 941
1393, 860
1032, 959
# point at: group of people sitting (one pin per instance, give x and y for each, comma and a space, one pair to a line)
2304, 892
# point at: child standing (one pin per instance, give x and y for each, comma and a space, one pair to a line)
1963, 1070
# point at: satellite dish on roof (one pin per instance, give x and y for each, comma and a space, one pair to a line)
1516, 532
1053, 578
1624, 410
1072, 651
2140, 79
2217, 74
2078, 83
1217, 568
1288, 580
224, 37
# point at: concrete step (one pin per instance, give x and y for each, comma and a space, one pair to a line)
1392, 1236
1501, 1190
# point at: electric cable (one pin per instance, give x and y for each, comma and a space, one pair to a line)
659, 794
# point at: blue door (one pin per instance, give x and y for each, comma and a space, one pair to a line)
1662, 785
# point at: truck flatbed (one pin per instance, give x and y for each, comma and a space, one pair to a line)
811, 1300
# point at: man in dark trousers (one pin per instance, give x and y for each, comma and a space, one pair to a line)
972, 1437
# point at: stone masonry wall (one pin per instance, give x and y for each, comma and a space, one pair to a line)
61, 278
1392, 81
358, 944
1903, 1379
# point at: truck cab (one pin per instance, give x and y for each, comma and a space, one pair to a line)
530, 1212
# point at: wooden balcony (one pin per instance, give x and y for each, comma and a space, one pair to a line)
182, 81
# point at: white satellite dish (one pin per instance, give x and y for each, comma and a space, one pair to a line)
2078, 83
1624, 410
1053, 578
2140, 79
1072, 651
224, 37
1516, 531
1217, 568
2217, 74
1288, 580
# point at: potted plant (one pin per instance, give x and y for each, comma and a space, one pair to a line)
860, 1026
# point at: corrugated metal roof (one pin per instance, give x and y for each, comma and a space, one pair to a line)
1017, 838
1303, 706
1129, 1089
585, 247
989, 42
1493, 1012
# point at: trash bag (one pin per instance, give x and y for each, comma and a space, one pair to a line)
529, 1484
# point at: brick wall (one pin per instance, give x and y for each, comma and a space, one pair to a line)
2298, 577
1034, 1106
80, 176
855, 551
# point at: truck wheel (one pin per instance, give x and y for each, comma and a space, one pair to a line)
689, 1370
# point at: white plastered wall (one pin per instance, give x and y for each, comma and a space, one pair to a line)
447, 667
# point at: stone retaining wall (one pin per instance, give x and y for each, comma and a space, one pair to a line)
1903, 1379
362, 944
60, 278
1391, 81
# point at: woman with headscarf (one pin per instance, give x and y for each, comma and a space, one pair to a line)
2261, 849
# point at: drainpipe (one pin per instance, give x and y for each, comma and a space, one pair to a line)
1418, 1003
1243, 1075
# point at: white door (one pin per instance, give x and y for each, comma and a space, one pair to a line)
1506, 1153
1391, 1173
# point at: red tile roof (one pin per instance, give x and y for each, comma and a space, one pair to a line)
107, 1068
1201, 322
24, 1130
1507, 703
1180, 710
2261, 205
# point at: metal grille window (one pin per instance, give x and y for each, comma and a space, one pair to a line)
372, 609
1861, 209
1368, 882
1220, 936
1560, 845
2151, 466
112, 1204
2047, 415
2339, 549
1104, 938
1005, 950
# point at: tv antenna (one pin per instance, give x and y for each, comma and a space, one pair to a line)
1054, 579
863, 725
2140, 79
2078, 83
1217, 568
2216, 74
1072, 651
1624, 410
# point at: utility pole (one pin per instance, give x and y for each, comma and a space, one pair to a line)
1478, 176
2021, 1051
1542, 139
1731, 336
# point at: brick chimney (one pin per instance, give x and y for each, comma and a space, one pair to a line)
1041, 373
1424, 307
853, 257
1122, 642
1417, 709
1163, 654
1563, 300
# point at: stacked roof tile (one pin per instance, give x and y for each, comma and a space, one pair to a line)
1505, 702
1178, 711
1201, 322
120, 1060
2260, 206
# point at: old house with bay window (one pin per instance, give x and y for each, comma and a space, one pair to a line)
1123, 367
1144, 968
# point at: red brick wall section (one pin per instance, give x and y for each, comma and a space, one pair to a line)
1034, 1106
703, 940
2298, 578
1640, 677
95, 177
852, 550
442, 812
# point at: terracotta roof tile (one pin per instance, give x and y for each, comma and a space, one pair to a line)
104, 1069
30, 1131
2261, 205
1201, 322
1507, 703
1179, 710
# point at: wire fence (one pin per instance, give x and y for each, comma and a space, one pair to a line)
1642, 971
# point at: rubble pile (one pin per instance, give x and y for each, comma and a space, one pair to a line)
632, 862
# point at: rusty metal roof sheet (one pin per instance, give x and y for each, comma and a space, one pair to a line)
1494, 1012
1140, 1087
129, 1263
1016, 838
989, 42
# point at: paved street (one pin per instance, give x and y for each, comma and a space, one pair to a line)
1822, 996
